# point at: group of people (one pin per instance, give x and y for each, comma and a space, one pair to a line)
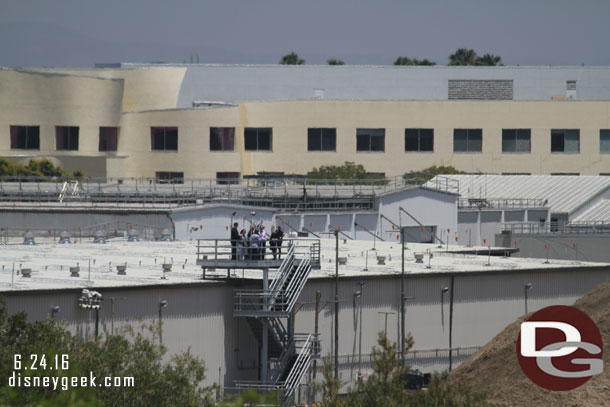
253, 244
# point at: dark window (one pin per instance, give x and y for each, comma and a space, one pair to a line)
565, 173
66, 138
257, 139
516, 140
224, 178
222, 138
25, 137
370, 140
516, 173
419, 140
467, 140
168, 177
565, 141
164, 138
604, 141
321, 139
108, 138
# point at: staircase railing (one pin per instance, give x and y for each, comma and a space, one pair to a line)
297, 282
300, 366
284, 271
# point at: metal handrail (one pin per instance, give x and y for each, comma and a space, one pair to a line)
284, 270
574, 227
512, 203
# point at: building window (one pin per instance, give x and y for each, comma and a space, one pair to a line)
563, 174
604, 141
516, 140
467, 140
168, 177
164, 138
108, 138
419, 140
516, 173
258, 139
25, 137
372, 140
222, 138
225, 178
321, 139
565, 141
66, 138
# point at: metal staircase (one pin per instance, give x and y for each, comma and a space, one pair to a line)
286, 356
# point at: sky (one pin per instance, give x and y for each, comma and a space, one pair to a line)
80, 33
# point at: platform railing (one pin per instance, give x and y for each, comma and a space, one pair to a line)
218, 253
517, 203
571, 228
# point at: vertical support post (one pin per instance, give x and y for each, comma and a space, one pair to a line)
336, 304
315, 328
265, 350
402, 295
451, 324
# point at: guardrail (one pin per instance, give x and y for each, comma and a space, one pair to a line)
479, 203
588, 227
219, 252
291, 192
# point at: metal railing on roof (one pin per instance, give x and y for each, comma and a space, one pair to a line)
570, 228
291, 193
500, 203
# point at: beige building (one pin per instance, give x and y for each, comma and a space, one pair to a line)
210, 121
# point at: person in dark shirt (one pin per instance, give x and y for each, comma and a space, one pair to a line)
276, 242
234, 240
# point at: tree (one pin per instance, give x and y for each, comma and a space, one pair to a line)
292, 59
463, 56
35, 168
408, 61
349, 171
335, 62
489, 60
386, 386
329, 386
177, 382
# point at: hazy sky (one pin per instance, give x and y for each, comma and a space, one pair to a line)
81, 33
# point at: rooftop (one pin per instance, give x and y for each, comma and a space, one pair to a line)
50, 263
562, 193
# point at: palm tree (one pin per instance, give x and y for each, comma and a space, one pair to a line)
334, 61
463, 56
292, 59
489, 60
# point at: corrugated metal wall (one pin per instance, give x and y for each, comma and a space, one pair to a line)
200, 317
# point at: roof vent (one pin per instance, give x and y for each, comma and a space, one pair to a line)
28, 238
381, 260
166, 235
120, 268
27, 273
74, 271
419, 257
64, 237
99, 237
133, 236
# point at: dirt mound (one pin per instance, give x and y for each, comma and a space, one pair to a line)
494, 369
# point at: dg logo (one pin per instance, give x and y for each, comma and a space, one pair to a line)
560, 348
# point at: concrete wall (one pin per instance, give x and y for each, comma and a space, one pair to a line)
58, 219
30, 98
590, 247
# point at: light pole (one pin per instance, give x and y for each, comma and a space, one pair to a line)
356, 295
444, 291
386, 313
54, 311
526, 288
162, 304
336, 233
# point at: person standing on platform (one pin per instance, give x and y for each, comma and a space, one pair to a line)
264, 238
234, 240
276, 242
